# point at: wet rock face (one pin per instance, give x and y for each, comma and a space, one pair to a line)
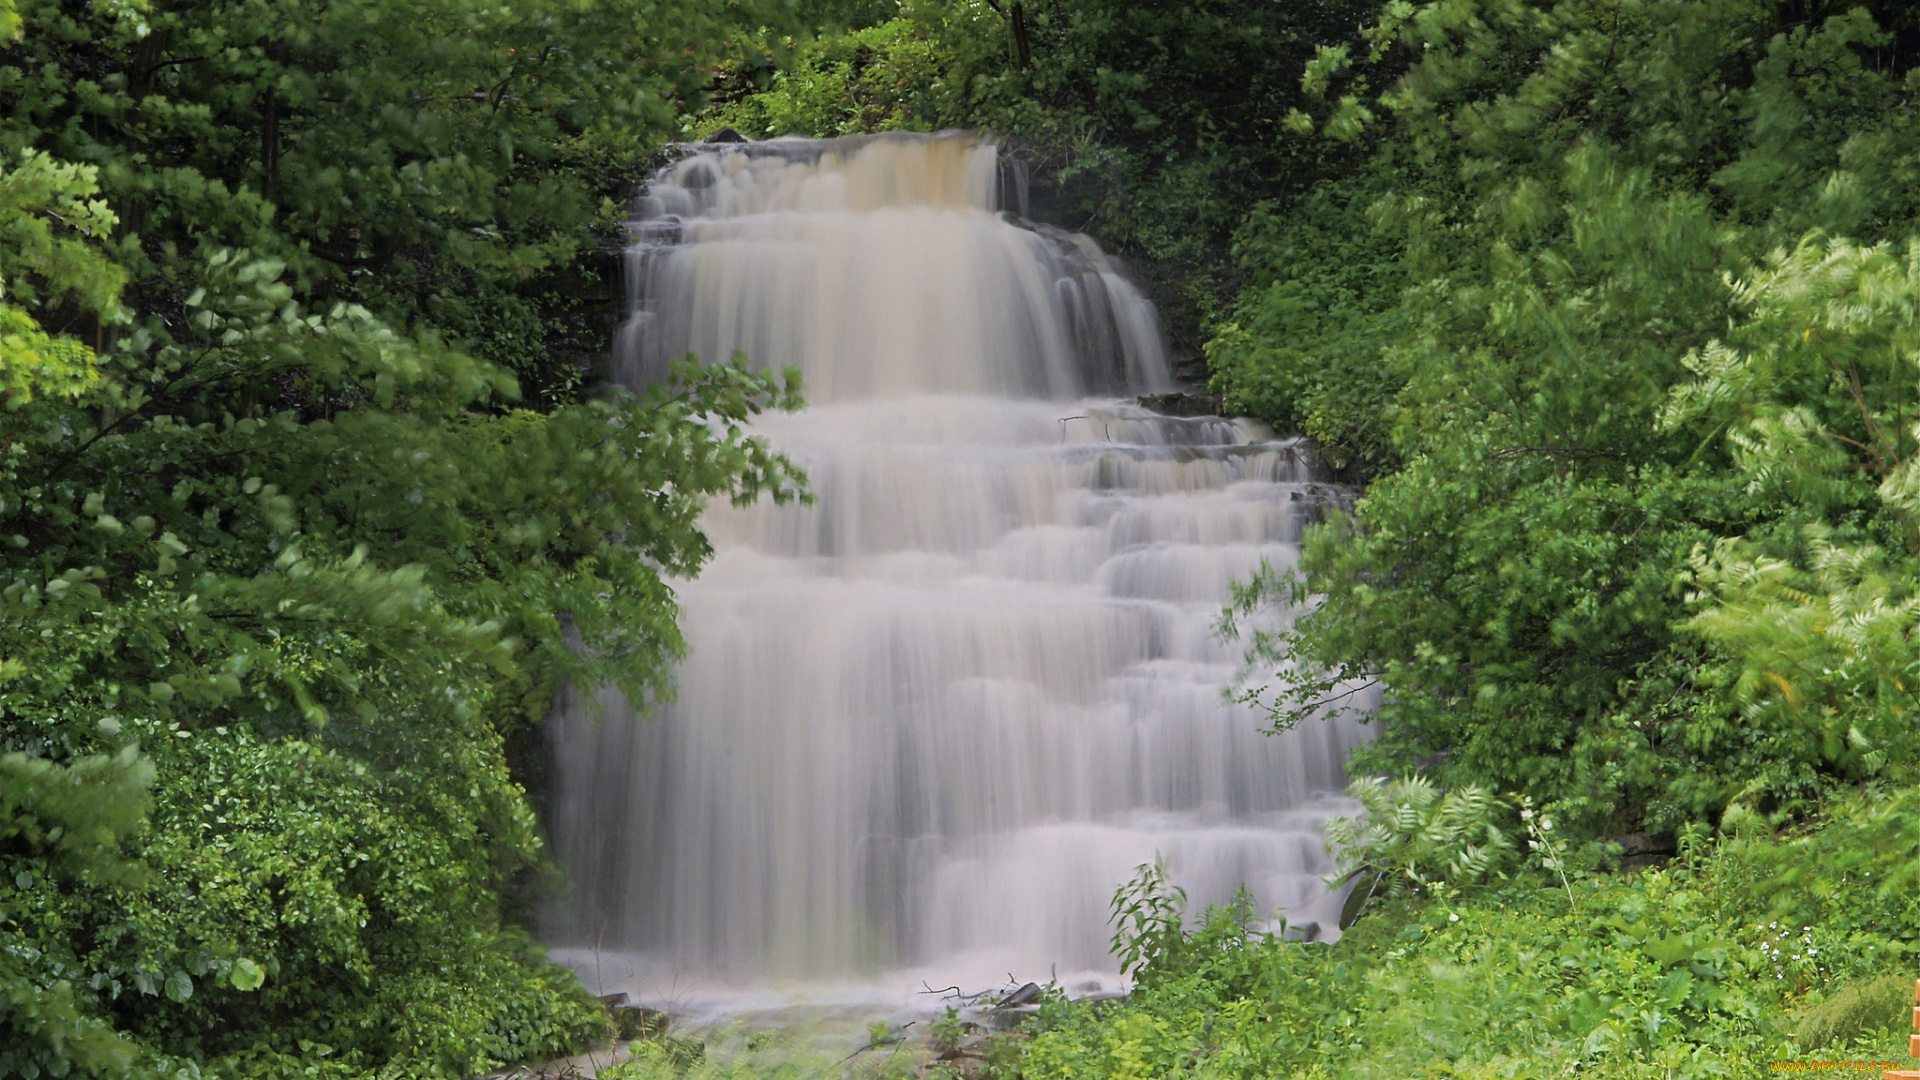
630, 1021
1639, 850
1645, 844
1183, 404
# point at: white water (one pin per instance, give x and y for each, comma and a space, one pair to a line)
928, 724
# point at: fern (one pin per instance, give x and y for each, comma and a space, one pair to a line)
1414, 836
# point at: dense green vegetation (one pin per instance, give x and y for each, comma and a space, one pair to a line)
1716, 965
1612, 305
1642, 312
303, 516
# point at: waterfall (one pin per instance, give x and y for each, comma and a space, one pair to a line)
939, 715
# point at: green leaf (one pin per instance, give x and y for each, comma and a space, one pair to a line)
246, 975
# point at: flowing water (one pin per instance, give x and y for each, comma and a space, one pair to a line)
928, 724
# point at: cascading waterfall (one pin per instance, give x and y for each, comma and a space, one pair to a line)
937, 717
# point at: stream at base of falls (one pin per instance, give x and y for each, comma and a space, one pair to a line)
928, 724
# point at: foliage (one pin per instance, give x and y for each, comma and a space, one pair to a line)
1549, 847
1152, 938
334, 818
1302, 347
284, 562
1819, 609
1413, 835
879, 78
1563, 225
446, 161
46, 219
64, 824
1877, 1005
1674, 972
1148, 918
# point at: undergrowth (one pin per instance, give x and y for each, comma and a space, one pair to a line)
1760, 949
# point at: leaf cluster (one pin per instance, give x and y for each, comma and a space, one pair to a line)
1412, 836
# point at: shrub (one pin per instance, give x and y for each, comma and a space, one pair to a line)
1413, 836
1884, 1003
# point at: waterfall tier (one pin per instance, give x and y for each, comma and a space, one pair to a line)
878, 267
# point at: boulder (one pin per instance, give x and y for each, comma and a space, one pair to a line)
1640, 850
638, 1022
1026, 995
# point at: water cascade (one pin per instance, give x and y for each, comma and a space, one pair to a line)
937, 717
